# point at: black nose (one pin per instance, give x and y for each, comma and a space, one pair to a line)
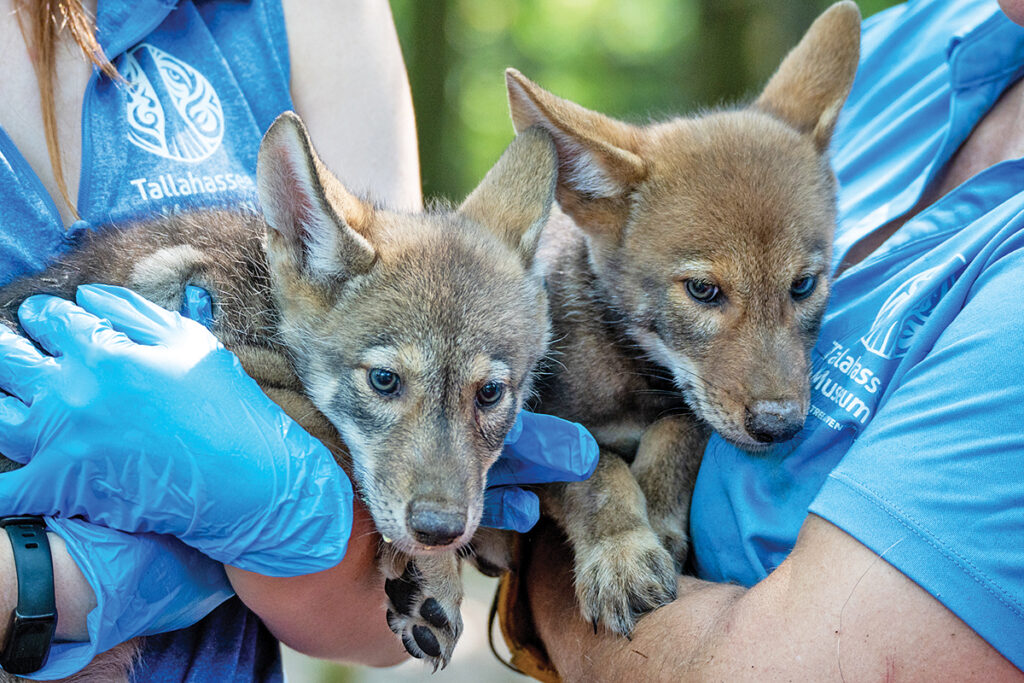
434, 523
774, 421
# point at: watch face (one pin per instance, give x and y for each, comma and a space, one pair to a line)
34, 634
28, 643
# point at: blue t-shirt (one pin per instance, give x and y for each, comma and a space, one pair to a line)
915, 440
203, 80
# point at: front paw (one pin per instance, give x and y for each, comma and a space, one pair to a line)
424, 613
621, 578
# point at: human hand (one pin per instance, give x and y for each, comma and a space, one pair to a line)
539, 449
143, 584
141, 421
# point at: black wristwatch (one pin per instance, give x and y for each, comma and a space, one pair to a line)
34, 620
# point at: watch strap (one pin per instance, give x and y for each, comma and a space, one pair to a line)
34, 620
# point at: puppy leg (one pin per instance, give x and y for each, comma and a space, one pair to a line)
491, 551
622, 571
666, 467
424, 594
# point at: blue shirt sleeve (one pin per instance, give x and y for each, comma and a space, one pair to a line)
934, 483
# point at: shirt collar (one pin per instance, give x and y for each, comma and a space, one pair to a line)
123, 23
991, 50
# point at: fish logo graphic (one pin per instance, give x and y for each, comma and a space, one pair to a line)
908, 308
172, 110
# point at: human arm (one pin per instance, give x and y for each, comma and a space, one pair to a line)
834, 610
110, 587
334, 614
74, 596
348, 83
930, 489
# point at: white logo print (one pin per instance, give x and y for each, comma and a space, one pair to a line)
907, 308
172, 110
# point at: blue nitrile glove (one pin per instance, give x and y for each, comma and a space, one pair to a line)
197, 305
144, 584
539, 449
147, 423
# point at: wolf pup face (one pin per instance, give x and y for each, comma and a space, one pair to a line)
414, 334
712, 235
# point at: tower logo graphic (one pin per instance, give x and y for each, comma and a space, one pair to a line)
908, 308
172, 110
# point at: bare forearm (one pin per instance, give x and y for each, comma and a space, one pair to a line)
333, 614
350, 87
690, 625
75, 598
833, 610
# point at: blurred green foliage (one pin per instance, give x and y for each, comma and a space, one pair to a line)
636, 59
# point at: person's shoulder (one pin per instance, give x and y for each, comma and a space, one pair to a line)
934, 21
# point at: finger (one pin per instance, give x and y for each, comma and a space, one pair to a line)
58, 325
21, 364
139, 318
16, 430
548, 449
198, 306
510, 507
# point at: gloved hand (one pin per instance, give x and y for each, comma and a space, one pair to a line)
144, 584
539, 449
148, 424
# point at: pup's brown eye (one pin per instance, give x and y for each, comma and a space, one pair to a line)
384, 381
802, 288
703, 291
489, 394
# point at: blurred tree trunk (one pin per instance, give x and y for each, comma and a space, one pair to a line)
742, 42
721, 73
428, 62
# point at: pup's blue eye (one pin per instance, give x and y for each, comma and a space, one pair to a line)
384, 381
489, 394
802, 288
703, 291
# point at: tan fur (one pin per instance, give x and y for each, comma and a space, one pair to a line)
323, 290
740, 202
112, 666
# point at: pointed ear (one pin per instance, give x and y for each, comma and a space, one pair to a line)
596, 167
812, 83
514, 199
312, 217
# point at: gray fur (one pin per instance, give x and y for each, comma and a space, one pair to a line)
329, 287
